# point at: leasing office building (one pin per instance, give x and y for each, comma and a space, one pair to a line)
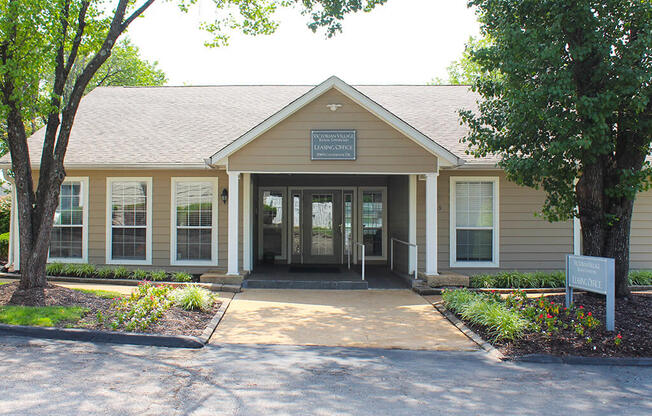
225, 178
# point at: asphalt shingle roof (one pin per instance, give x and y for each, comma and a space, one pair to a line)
185, 125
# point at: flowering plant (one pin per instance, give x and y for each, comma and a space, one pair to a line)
143, 307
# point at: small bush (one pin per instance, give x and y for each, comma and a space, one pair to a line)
104, 272
158, 276
486, 310
519, 280
182, 277
5, 213
640, 277
138, 274
54, 269
73, 270
192, 298
4, 246
121, 272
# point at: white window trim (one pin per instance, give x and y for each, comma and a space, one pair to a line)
173, 222
361, 191
83, 180
109, 225
496, 223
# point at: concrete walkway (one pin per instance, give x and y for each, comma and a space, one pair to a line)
372, 319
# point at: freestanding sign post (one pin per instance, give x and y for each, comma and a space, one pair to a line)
593, 274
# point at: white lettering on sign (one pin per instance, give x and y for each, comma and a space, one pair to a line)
333, 145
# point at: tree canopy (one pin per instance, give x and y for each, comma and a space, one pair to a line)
571, 112
465, 70
41, 41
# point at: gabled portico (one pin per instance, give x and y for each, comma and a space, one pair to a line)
275, 168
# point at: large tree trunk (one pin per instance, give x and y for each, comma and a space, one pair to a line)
603, 236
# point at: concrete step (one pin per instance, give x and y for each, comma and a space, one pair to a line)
305, 284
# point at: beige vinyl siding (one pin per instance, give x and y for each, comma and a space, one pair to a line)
526, 242
398, 221
286, 147
161, 212
641, 235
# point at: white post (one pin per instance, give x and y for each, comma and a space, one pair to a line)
577, 236
246, 223
234, 197
412, 224
13, 231
431, 223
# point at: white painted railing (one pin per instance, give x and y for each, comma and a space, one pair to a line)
362, 245
416, 254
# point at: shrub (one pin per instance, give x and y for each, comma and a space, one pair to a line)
640, 277
143, 307
519, 280
182, 277
87, 270
104, 272
138, 274
71, 269
5, 213
54, 269
486, 310
192, 298
4, 246
120, 272
158, 276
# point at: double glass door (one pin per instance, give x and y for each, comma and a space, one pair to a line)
317, 226
320, 226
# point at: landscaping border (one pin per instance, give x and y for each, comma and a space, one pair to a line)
425, 291
91, 335
490, 349
214, 287
540, 358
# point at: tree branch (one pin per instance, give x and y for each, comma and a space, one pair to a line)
136, 13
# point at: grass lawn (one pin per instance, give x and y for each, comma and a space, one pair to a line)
40, 315
105, 294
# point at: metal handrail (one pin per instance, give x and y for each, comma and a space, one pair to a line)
416, 254
362, 245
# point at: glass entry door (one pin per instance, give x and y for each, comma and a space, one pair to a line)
322, 226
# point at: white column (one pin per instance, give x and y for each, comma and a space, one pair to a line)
14, 245
431, 223
577, 236
246, 223
234, 199
412, 221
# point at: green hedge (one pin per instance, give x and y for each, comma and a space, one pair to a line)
119, 272
542, 279
4, 246
486, 310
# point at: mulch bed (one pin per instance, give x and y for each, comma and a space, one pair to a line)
633, 323
175, 321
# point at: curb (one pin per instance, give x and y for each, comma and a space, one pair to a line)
490, 349
214, 287
88, 335
579, 360
212, 325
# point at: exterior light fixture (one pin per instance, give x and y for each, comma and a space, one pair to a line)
333, 107
225, 195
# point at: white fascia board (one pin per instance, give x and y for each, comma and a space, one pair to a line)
443, 154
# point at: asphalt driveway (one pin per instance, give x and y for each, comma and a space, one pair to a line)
42, 377
358, 318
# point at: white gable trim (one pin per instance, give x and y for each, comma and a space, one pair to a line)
446, 158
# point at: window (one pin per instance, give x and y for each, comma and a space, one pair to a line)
373, 217
194, 221
129, 218
272, 231
474, 222
69, 236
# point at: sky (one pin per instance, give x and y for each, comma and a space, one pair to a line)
401, 42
